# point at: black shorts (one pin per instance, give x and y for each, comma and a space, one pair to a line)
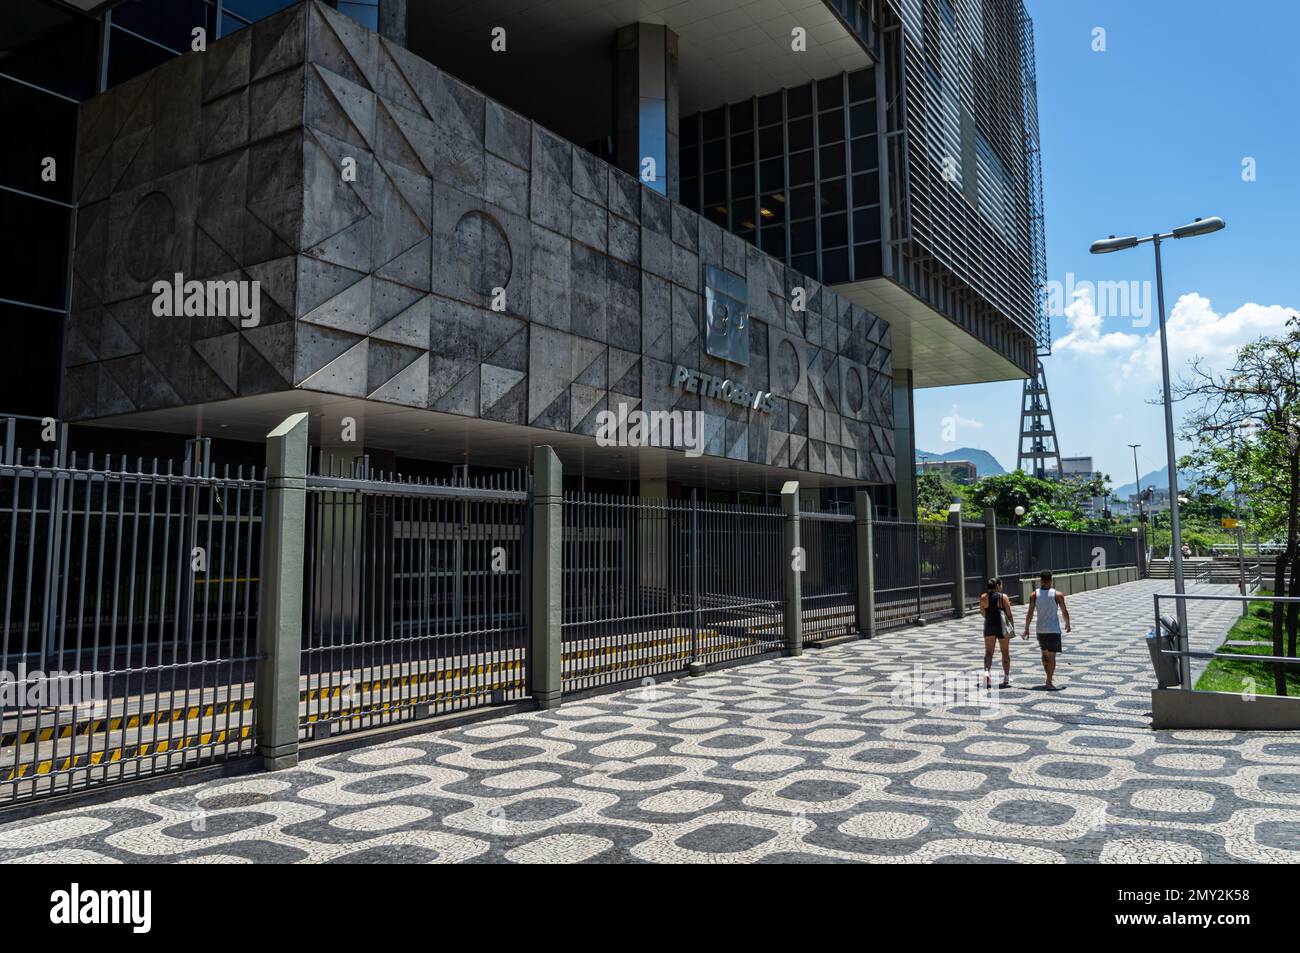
1049, 641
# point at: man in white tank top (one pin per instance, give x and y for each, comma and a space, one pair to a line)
1050, 606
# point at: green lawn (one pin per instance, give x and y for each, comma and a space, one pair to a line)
1231, 676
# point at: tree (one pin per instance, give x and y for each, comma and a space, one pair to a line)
934, 494
1007, 491
1246, 431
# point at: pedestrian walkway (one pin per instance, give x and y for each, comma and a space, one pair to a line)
883, 751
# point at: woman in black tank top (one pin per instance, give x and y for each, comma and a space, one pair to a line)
996, 608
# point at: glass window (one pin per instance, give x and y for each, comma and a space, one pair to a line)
805, 263
772, 241
30, 386
831, 159
742, 148
49, 129
742, 181
835, 266
689, 131
34, 269
800, 134
801, 168
862, 85
715, 188
862, 118
772, 208
830, 92
866, 224
129, 56
801, 202
771, 174
866, 261
798, 101
803, 236
833, 198
771, 142
715, 125
59, 56
835, 230
715, 156
742, 116
830, 126
866, 188
168, 22
865, 156
769, 109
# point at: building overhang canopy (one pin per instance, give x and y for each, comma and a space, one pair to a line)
727, 51
933, 348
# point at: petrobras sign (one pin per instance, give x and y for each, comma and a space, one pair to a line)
733, 392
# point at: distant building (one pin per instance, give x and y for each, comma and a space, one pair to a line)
959, 471
1082, 469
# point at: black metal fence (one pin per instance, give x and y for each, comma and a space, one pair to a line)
415, 601
828, 586
130, 619
1024, 552
651, 585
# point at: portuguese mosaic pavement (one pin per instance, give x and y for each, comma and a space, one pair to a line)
817, 759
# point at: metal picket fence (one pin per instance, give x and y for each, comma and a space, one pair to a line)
130, 618
651, 585
415, 601
1023, 552
829, 582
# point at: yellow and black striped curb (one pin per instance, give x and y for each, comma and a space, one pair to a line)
407, 681
93, 726
373, 708
91, 759
677, 641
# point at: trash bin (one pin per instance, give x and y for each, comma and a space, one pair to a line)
1167, 667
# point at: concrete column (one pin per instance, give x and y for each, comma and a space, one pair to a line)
794, 561
547, 563
958, 565
904, 446
284, 515
865, 553
646, 107
990, 543
392, 20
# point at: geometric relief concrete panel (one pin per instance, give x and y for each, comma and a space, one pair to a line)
419, 244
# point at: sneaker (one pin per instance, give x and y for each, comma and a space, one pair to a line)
1005, 684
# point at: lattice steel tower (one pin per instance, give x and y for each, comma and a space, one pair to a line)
1038, 442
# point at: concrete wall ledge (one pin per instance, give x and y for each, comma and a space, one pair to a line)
1069, 583
1175, 708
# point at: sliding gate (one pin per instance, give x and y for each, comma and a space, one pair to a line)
416, 599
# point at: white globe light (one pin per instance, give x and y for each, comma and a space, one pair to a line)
1020, 511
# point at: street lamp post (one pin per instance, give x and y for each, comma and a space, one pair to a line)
1113, 244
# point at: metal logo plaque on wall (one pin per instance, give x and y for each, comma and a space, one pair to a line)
726, 305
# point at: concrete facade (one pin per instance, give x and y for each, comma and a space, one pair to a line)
382, 288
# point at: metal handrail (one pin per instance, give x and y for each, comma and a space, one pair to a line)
1192, 653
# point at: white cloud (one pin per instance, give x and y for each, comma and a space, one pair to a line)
1085, 337
1195, 331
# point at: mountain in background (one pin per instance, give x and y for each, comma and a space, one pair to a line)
985, 463
1160, 480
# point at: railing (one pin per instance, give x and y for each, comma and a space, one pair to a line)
130, 619
828, 584
652, 586
1185, 653
415, 598
1026, 551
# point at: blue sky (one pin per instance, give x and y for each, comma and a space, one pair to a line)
1147, 134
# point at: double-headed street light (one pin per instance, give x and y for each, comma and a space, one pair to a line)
1105, 246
